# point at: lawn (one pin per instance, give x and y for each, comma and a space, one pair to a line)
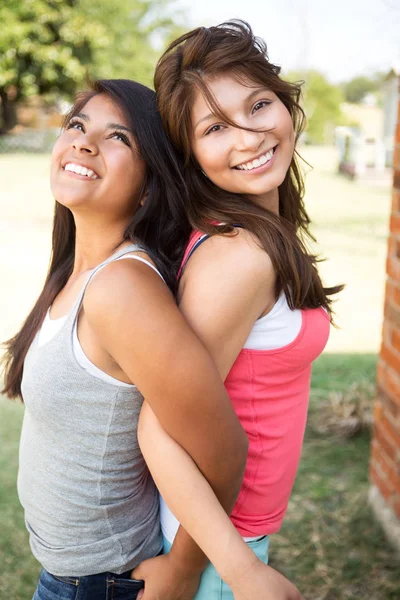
329, 543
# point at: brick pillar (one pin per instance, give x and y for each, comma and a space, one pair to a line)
385, 456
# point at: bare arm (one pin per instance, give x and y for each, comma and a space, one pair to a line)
226, 286
190, 497
135, 319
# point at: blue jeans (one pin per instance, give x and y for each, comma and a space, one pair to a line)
212, 587
104, 586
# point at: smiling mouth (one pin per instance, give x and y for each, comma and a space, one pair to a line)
80, 170
257, 162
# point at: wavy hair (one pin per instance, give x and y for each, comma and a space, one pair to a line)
183, 71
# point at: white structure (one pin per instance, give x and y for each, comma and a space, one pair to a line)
359, 154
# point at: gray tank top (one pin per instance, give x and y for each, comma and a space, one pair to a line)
90, 502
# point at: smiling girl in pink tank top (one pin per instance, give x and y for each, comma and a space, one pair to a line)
248, 286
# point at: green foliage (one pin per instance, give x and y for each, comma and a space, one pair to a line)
46, 46
50, 47
357, 88
322, 102
136, 28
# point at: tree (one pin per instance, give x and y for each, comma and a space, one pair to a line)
49, 47
357, 88
322, 102
138, 29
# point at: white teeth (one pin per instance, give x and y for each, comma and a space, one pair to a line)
257, 162
80, 170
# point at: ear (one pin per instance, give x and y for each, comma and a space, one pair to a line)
143, 198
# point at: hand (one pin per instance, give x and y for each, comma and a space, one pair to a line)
165, 579
264, 583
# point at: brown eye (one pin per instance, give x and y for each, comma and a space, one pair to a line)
213, 129
118, 135
259, 105
75, 124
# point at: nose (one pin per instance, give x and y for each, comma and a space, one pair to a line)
84, 144
249, 140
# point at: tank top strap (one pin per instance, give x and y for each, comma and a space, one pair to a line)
195, 240
115, 256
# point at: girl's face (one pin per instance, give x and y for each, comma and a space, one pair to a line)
254, 163
95, 164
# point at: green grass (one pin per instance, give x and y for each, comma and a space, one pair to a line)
330, 544
19, 568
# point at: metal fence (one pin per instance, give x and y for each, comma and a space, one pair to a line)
29, 140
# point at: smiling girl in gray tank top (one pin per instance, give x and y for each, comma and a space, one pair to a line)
91, 507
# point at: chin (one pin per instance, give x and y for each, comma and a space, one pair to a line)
70, 202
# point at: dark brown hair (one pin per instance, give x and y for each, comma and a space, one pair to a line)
160, 225
183, 70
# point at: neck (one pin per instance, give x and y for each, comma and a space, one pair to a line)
270, 200
94, 244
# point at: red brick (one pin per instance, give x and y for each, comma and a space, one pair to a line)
391, 429
392, 385
396, 507
393, 266
394, 481
397, 137
378, 411
392, 312
395, 201
385, 447
395, 221
391, 246
387, 443
395, 294
387, 332
389, 287
391, 357
381, 373
395, 339
388, 404
396, 156
384, 487
381, 460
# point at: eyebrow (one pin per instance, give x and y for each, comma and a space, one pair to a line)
86, 118
249, 97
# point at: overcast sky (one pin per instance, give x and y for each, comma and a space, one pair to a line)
342, 38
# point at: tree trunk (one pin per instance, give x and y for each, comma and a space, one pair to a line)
8, 112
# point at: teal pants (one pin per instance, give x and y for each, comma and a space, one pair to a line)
212, 587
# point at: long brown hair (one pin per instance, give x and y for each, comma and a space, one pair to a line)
183, 71
160, 225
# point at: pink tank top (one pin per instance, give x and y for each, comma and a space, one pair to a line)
269, 390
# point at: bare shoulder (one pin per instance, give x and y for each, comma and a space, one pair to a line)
239, 253
124, 285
